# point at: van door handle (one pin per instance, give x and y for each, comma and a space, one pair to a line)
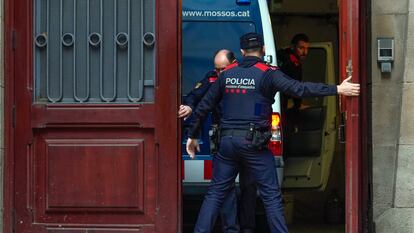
268, 59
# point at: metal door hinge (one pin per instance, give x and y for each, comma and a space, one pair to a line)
341, 134
14, 116
349, 68
13, 220
341, 129
13, 39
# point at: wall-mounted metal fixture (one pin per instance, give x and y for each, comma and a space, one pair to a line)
122, 40
68, 39
41, 40
95, 39
386, 54
149, 39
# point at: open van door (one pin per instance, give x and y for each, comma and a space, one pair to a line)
311, 144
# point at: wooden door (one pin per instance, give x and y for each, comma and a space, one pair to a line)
353, 62
94, 93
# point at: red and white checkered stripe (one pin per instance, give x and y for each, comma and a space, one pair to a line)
198, 171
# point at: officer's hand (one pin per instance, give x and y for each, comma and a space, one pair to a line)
192, 147
347, 88
184, 111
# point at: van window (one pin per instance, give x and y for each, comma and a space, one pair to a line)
198, 48
314, 70
314, 67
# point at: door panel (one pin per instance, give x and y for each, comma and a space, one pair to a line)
142, 230
349, 64
92, 161
76, 173
58, 115
91, 153
94, 51
52, 230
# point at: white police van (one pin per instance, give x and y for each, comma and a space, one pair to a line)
207, 26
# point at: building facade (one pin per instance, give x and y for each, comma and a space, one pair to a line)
392, 119
392, 110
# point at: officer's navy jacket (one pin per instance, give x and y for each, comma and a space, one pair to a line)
289, 64
200, 89
246, 91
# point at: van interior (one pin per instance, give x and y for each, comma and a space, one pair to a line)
314, 173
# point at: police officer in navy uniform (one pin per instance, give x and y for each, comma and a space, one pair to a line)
222, 58
229, 212
290, 62
246, 92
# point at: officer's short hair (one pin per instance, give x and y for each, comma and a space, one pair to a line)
253, 50
229, 55
299, 37
251, 40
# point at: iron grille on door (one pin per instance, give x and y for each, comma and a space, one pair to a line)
94, 51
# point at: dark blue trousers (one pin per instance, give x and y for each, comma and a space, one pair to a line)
240, 216
235, 152
247, 204
228, 213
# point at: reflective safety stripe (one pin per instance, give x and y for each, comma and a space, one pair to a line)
208, 169
294, 59
231, 66
198, 171
212, 79
261, 66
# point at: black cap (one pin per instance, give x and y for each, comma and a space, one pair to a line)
251, 40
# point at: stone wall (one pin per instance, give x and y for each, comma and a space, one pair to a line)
393, 119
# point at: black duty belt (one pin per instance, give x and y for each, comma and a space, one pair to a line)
234, 132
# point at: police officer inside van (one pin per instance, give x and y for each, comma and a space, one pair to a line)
246, 92
290, 62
